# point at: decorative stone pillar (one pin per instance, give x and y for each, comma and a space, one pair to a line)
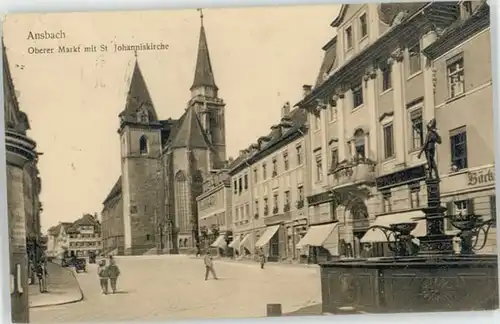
398, 76
324, 137
429, 79
20, 150
371, 96
340, 99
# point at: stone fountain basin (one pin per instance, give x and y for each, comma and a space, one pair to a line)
410, 284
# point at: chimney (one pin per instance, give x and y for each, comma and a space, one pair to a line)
285, 110
276, 131
306, 90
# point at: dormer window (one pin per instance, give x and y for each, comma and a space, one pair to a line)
363, 25
466, 9
143, 145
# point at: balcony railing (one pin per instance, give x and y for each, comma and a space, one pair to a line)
300, 204
275, 210
355, 171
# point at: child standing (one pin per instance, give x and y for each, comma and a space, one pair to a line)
113, 273
103, 276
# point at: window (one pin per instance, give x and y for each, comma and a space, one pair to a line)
287, 197
317, 120
246, 181
275, 167
414, 195
455, 68
415, 61
275, 202
235, 186
388, 141
319, 169
348, 37
467, 8
266, 206
363, 25
386, 77
334, 158
143, 145
247, 210
255, 175
182, 200
299, 154
386, 197
300, 193
417, 129
256, 207
357, 96
286, 162
458, 143
264, 171
332, 111
359, 144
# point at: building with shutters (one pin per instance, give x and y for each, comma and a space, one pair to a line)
152, 207
268, 190
214, 211
461, 59
368, 110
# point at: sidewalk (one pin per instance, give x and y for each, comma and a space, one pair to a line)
62, 286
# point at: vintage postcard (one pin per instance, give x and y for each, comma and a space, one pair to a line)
250, 162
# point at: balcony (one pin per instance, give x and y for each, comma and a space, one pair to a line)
352, 172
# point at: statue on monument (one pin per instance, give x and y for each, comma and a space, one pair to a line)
429, 149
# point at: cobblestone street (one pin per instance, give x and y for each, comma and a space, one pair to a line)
173, 287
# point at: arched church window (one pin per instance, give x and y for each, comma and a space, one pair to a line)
143, 145
181, 195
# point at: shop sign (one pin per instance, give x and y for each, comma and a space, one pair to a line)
402, 177
481, 177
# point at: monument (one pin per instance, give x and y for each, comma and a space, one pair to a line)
418, 278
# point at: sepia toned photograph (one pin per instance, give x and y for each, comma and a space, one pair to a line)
313, 160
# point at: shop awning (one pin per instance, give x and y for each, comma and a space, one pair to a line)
376, 235
268, 234
220, 242
246, 243
235, 244
325, 235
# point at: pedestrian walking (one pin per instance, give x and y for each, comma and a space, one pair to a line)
103, 276
198, 250
41, 273
262, 258
209, 266
113, 273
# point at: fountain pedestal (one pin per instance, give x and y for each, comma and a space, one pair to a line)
434, 279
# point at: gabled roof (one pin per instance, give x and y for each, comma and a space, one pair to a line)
85, 220
203, 74
329, 61
56, 230
189, 132
138, 96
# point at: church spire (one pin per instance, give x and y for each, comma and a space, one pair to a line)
203, 75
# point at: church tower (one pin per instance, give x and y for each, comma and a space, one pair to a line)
206, 102
140, 137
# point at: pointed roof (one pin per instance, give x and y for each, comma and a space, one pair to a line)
138, 94
203, 74
189, 133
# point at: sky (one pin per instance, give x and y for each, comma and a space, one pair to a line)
261, 57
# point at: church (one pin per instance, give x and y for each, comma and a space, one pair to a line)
152, 206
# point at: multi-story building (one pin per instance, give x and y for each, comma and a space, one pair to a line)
214, 210
268, 189
464, 114
58, 239
367, 111
112, 222
85, 236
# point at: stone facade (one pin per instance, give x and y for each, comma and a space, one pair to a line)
214, 210
163, 166
268, 182
464, 114
23, 188
368, 111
